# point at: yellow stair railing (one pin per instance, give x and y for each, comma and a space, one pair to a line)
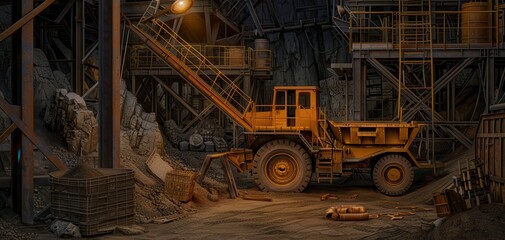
192, 65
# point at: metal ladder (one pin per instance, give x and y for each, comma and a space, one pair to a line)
415, 51
193, 66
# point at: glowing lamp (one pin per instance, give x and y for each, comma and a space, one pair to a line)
181, 6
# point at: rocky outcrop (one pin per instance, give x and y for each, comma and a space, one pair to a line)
142, 129
67, 113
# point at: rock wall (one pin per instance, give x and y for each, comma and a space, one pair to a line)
67, 113
141, 128
302, 56
333, 98
45, 81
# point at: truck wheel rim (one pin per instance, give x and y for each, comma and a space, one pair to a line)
393, 174
281, 169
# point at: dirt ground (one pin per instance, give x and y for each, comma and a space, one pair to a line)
293, 216
299, 215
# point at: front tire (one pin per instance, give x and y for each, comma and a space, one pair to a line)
393, 175
282, 166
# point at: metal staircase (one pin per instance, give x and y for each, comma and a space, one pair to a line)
415, 63
192, 65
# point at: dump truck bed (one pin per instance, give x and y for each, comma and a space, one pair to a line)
374, 133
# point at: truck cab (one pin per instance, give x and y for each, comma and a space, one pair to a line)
293, 109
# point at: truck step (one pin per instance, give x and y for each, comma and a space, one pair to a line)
324, 170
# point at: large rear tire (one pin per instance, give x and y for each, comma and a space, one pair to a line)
282, 166
393, 175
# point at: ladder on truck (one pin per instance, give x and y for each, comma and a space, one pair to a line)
415, 63
192, 65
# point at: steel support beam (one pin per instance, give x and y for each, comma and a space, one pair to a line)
358, 76
175, 96
64, 12
208, 28
440, 84
27, 112
273, 12
255, 18
27, 17
7, 132
410, 96
109, 83
229, 23
22, 95
78, 47
490, 84
13, 112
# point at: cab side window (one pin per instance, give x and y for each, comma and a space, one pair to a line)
280, 100
304, 100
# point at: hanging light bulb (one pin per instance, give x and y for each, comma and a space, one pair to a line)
181, 6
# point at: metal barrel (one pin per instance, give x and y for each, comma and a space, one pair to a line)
475, 22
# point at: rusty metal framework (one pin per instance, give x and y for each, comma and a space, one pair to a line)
417, 59
18, 105
371, 30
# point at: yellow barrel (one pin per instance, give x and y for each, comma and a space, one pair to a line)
474, 22
236, 56
261, 54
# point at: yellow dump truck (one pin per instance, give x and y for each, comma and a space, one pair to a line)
290, 139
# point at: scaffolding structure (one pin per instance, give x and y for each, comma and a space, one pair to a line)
430, 54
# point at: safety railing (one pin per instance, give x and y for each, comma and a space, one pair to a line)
450, 28
195, 67
223, 57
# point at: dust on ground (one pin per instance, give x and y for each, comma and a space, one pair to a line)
288, 215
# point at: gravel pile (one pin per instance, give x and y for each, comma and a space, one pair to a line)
9, 231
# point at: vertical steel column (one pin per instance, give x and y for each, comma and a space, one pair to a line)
247, 84
22, 94
359, 90
109, 72
78, 47
27, 113
490, 83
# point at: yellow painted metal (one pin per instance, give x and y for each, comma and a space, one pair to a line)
393, 174
374, 133
385, 35
221, 90
294, 109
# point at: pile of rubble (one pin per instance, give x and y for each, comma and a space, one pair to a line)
207, 136
141, 127
11, 231
67, 113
